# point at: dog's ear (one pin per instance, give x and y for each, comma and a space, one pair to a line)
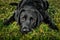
40, 18
17, 15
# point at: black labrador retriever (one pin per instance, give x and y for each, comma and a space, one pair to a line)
29, 14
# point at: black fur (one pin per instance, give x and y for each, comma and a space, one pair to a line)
38, 7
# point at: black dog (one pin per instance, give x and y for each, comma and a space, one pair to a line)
30, 13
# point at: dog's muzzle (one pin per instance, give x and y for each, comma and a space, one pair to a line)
25, 30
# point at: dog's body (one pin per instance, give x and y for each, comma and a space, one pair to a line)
30, 13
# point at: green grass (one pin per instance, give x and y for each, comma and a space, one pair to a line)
43, 32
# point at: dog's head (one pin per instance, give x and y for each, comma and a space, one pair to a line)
28, 18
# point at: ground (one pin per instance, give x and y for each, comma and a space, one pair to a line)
43, 32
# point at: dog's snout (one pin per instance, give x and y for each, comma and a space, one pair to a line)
25, 30
28, 22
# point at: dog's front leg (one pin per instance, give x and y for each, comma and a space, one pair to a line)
48, 20
10, 20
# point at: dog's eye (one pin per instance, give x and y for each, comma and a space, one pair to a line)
24, 18
32, 19
22, 10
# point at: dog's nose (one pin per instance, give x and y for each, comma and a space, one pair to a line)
25, 30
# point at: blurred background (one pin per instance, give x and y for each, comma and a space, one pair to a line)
43, 32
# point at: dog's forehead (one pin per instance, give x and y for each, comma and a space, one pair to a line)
30, 8
28, 13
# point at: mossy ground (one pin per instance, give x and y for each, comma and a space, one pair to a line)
43, 32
